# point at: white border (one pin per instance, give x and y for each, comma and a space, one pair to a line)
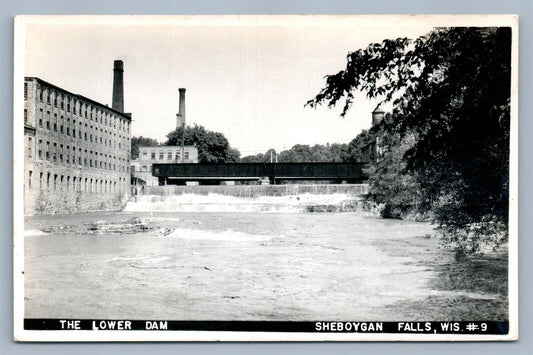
288, 20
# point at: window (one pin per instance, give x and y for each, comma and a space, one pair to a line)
25, 91
153, 155
169, 156
186, 155
25, 116
41, 91
41, 117
145, 153
55, 99
48, 181
68, 104
30, 142
62, 102
48, 98
40, 180
29, 178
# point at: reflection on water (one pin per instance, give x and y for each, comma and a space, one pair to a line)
224, 266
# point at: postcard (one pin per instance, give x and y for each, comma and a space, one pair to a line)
266, 178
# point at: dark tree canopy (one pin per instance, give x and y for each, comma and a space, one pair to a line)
141, 141
302, 153
451, 88
213, 147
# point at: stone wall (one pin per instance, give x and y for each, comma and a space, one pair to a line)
48, 202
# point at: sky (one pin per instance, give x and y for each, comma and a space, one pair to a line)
247, 77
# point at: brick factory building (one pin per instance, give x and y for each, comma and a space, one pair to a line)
76, 150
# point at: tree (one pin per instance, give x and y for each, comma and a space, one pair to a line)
451, 89
141, 141
302, 153
213, 147
354, 150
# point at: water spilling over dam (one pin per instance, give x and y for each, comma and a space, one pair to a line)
250, 198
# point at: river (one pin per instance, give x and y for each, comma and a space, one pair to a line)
227, 266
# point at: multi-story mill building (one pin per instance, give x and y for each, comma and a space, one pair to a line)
77, 151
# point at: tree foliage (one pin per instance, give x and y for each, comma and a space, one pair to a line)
141, 141
450, 89
213, 147
302, 153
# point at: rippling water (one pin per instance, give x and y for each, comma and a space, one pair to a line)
226, 266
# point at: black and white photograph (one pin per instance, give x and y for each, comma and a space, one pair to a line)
266, 178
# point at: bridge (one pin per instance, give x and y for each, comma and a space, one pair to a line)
214, 173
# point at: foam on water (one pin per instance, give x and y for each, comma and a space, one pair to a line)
224, 203
33, 232
227, 235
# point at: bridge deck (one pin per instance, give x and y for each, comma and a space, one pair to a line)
352, 172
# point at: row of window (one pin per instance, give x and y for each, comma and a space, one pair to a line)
64, 102
70, 130
57, 182
52, 151
170, 155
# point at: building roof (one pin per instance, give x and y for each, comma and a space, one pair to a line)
166, 146
125, 115
378, 109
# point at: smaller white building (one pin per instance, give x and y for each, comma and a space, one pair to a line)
142, 166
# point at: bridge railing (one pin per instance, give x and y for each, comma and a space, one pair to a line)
251, 191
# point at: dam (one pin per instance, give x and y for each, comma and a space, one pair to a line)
250, 198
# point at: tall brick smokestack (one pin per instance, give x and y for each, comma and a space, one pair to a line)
118, 86
181, 113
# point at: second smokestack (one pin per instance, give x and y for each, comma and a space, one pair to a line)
181, 113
